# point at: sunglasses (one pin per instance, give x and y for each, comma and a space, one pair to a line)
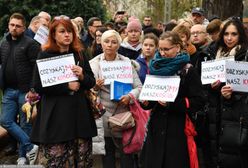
64, 17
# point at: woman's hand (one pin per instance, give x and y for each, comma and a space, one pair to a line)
78, 71
74, 86
125, 100
99, 84
226, 91
216, 84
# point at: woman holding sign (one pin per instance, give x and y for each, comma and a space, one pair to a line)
233, 134
166, 142
64, 126
105, 67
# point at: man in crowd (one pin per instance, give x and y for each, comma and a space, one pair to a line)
34, 25
92, 24
18, 54
198, 16
46, 16
147, 22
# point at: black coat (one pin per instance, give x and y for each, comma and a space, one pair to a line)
131, 54
166, 145
233, 112
61, 116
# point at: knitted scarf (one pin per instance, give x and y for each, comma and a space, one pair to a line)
168, 66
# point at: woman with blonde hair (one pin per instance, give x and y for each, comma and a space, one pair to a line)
111, 41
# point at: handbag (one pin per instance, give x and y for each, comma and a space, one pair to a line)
121, 121
132, 139
95, 105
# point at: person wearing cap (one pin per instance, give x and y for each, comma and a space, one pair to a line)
198, 16
131, 47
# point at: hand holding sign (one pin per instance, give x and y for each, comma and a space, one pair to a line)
226, 91
78, 71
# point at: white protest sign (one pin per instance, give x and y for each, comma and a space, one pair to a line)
237, 75
56, 70
42, 35
160, 88
214, 70
116, 70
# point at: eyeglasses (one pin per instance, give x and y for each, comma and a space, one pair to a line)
165, 49
15, 25
61, 17
197, 33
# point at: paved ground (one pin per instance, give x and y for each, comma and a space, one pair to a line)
6, 159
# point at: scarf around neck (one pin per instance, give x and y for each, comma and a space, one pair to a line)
168, 66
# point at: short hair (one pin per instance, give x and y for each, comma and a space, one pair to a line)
110, 33
181, 29
147, 16
173, 37
150, 36
214, 26
18, 16
109, 24
169, 26
35, 19
92, 20
42, 13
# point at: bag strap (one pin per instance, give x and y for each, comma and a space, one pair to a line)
121, 146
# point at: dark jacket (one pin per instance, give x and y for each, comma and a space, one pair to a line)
143, 69
209, 140
234, 112
63, 116
28, 32
128, 52
25, 54
166, 145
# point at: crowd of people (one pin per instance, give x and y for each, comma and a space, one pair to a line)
61, 134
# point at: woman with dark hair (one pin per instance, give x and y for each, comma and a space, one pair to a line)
149, 47
96, 47
64, 126
234, 105
222, 105
166, 144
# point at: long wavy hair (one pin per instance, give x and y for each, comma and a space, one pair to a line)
51, 44
241, 31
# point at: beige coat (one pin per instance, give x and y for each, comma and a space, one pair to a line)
104, 93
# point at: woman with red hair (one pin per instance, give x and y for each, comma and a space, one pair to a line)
64, 126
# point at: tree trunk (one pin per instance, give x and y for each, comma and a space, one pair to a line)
223, 8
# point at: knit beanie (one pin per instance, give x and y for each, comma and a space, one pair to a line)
134, 24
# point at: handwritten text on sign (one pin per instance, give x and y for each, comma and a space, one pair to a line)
56, 70
116, 70
237, 75
160, 88
42, 35
214, 70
